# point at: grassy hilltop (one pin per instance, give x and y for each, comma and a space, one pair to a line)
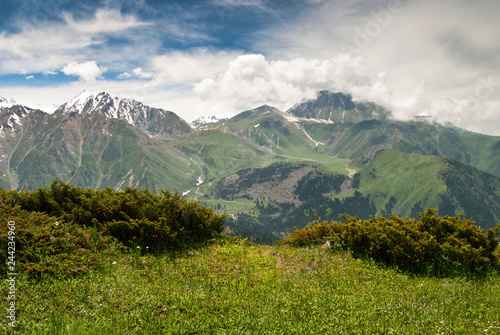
132, 262
230, 287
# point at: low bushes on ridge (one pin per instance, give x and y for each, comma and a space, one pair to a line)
62, 229
433, 245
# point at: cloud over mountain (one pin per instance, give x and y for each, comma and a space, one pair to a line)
222, 56
87, 71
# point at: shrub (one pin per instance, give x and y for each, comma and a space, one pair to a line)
45, 244
87, 219
434, 245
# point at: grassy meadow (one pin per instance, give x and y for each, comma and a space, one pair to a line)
228, 286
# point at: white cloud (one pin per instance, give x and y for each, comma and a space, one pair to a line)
104, 21
30, 77
239, 3
124, 75
46, 46
87, 71
251, 80
141, 74
188, 67
471, 114
138, 73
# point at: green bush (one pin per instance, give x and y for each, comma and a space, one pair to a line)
87, 219
45, 244
434, 245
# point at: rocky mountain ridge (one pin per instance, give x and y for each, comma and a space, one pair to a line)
152, 121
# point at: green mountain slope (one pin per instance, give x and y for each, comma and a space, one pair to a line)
285, 195
362, 141
406, 184
89, 151
267, 127
408, 178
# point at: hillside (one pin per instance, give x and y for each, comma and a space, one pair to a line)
87, 150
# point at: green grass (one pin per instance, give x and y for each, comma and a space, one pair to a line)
409, 177
231, 207
230, 287
222, 153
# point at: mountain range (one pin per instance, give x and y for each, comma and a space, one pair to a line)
269, 170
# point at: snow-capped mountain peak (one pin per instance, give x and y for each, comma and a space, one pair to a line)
78, 103
207, 119
87, 102
9, 102
103, 103
149, 119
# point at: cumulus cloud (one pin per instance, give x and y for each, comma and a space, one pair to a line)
251, 80
140, 73
188, 67
87, 71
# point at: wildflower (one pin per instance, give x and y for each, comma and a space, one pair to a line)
274, 254
248, 272
114, 262
190, 254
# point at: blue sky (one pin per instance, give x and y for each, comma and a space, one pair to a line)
221, 57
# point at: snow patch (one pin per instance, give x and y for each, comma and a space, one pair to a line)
198, 183
309, 137
14, 120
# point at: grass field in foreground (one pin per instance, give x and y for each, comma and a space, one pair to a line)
230, 287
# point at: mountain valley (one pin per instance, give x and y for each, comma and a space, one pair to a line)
269, 170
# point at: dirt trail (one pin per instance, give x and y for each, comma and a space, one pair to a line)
350, 171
